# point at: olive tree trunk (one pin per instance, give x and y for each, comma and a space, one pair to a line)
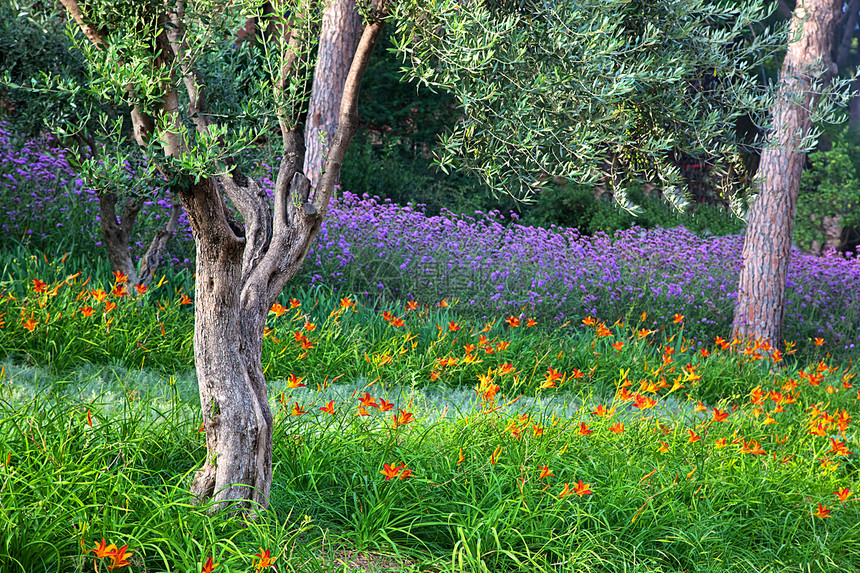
760, 305
241, 267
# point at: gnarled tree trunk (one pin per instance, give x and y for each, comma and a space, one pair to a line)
760, 305
241, 267
116, 234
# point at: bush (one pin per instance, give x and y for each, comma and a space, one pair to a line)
829, 198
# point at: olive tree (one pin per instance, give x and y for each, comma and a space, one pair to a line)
149, 54
610, 92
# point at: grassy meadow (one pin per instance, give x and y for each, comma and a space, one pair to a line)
415, 437
452, 394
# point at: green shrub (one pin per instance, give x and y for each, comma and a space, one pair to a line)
830, 187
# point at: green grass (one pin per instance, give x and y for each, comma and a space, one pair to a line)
93, 446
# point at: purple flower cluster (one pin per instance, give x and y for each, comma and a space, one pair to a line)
488, 261
495, 264
44, 201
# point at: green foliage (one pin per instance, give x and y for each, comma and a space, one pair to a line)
575, 206
33, 42
399, 128
591, 91
104, 453
829, 187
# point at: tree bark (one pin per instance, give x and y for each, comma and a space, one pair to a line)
242, 267
341, 29
760, 305
116, 234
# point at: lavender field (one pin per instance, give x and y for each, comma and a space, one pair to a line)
488, 261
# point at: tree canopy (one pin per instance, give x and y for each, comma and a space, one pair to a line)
611, 91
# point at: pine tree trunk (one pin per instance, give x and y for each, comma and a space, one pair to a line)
760, 306
341, 29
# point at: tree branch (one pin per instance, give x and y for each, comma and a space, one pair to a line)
152, 258
91, 33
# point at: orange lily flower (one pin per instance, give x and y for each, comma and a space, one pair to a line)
565, 491
461, 458
109, 306
513, 321
678, 318
184, 299
694, 437
602, 411
643, 402
294, 382
368, 401
531, 322
700, 407
453, 326
118, 558
30, 324
328, 408
819, 341
385, 405
821, 512
545, 472
616, 428
843, 493
266, 559
208, 566
278, 309
584, 430
140, 288
362, 411
581, 489
86, 310
404, 418
720, 416
838, 448
297, 410
663, 448
753, 447
390, 471
102, 550
39, 286
120, 278
721, 443
548, 384
411, 305
295, 303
